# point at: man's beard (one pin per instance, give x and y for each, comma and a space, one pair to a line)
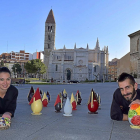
130, 93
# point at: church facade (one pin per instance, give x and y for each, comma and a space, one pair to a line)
73, 64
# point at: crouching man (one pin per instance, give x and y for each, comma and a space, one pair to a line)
124, 96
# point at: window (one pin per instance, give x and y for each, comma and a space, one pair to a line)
48, 46
58, 57
69, 57
51, 29
49, 37
56, 68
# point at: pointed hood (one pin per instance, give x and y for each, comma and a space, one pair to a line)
77, 92
48, 93
64, 92
36, 95
40, 92
57, 100
50, 18
92, 96
72, 98
30, 94
31, 91
44, 97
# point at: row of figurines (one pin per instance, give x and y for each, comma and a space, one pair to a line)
93, 103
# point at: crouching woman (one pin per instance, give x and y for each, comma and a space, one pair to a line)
8, 94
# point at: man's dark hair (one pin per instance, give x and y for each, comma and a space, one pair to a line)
125, 76
5, 69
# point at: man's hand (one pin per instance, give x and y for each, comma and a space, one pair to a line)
137, 101
7, 115
125, 117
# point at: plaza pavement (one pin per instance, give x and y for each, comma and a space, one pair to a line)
81, 126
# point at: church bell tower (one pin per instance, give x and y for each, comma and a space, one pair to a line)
49, 42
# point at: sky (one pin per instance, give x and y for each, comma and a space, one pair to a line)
22, 24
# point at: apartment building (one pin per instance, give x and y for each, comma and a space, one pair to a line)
112, 69
21, 55
38, 55
5, 56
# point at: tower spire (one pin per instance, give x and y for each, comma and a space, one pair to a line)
50, 18
87, 46
64, 47
97, 44
75, 46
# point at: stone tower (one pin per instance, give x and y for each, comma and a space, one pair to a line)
49, 42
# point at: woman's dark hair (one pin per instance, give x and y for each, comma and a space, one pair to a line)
5, 69
125, 76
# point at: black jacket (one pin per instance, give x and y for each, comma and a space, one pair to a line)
9, 102
120, 105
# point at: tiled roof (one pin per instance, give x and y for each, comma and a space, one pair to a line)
50, 18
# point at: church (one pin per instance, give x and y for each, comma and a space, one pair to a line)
78, 64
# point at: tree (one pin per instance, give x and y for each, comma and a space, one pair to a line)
41, 68
2, 63
35, 66
30, 67
96, 76
16, 68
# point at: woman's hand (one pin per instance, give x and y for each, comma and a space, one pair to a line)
7, 115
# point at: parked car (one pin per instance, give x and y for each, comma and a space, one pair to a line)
73, 81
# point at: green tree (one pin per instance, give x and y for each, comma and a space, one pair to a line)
17, 68
35, 66
30, 67
41, 68
2, 63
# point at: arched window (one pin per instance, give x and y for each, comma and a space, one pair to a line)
51, 29
68, 74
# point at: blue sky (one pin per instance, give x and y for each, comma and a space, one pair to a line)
22, 24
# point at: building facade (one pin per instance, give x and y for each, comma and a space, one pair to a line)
4, 56
21, 55
112, 69
123, 65
38, 55
135, 53
73, 64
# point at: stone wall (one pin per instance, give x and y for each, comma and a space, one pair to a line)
123, 64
